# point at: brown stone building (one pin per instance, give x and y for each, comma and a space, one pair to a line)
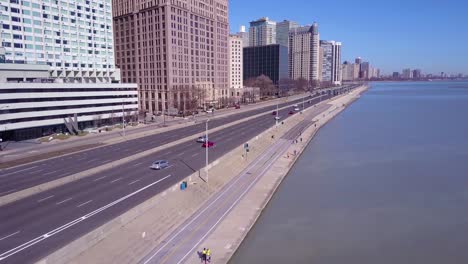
176, 50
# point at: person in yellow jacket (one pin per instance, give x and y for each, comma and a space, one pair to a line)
208, 254
204, 254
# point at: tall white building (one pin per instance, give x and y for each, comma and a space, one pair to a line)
262, 32
304, 44
331, 65
236, 75
73, 37
282, 31
244, 35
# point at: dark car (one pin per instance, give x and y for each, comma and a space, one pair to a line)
291, 112
208, 144
237, 106
274, 113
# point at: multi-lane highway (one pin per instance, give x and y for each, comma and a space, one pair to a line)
29, 175
35, 226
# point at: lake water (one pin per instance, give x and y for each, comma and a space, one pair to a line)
384, 182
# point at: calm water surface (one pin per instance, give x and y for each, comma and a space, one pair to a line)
384, 182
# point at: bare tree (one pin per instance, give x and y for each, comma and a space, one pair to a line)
302, 85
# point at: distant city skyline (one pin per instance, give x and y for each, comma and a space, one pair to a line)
406, 35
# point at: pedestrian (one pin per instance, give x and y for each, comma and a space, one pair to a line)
204, 255
301, 140
295, 152
208, 255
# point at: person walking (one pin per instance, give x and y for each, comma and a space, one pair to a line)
204, 255
208, 255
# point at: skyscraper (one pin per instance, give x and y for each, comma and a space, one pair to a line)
269, 60
74, 38
331, 69
236, 76
365, 70
282, 31
262, 32
407, 74
304, 53
175, 50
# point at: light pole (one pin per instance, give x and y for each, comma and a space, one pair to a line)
207, 146
123, 118
277, 114
1, 139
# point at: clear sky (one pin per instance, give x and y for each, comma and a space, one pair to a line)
392, 35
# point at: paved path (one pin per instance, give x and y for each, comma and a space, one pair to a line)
185, 240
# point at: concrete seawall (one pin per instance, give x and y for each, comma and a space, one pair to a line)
230, 233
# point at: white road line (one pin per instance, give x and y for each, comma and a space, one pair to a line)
83, 204
43, 199
106, 161
52, 172
138, 164
64, 201
180, 154
169, 152
133, 182
98, 179
38, 239
80, 159
276, 155
194, 155
116, 180
4, 175
10, 235
91, 160
7, 192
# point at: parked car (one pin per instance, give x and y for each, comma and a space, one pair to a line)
201, 139
159, 165
208, 144
237, 106
209, 111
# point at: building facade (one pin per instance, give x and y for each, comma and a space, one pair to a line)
236, 71
74, 38
304, 53
331, 66
270, 60
244, 35
282, 31
407, 74
262, 32
32, 110
177, 51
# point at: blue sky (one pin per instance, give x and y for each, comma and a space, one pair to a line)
392, 35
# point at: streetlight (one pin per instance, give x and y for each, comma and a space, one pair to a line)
123, 118
207, 146
1, 139
277, 110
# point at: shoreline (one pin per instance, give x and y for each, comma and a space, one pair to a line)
226, 239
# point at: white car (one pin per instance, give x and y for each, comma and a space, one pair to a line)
209, 111
277, 118
296, 109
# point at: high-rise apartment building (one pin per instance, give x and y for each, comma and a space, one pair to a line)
282, 31
262, 32
304, 45
74, 38
270, 60
175, 50
57, 71
331, 68
350, 71
365, 70
417, 74
236, 76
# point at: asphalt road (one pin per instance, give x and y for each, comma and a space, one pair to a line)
38, 225
29, 175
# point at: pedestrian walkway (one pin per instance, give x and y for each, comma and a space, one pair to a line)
186, 240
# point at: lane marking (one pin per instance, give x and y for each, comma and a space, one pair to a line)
38, 239
276, 154
4, 175
116, 180
138, 164
43, 199
133, 182
194, 155
91, 160
98, 179
10, 235
83, 204
64, 201
106, 161
180, 154
52, 172
7, 192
